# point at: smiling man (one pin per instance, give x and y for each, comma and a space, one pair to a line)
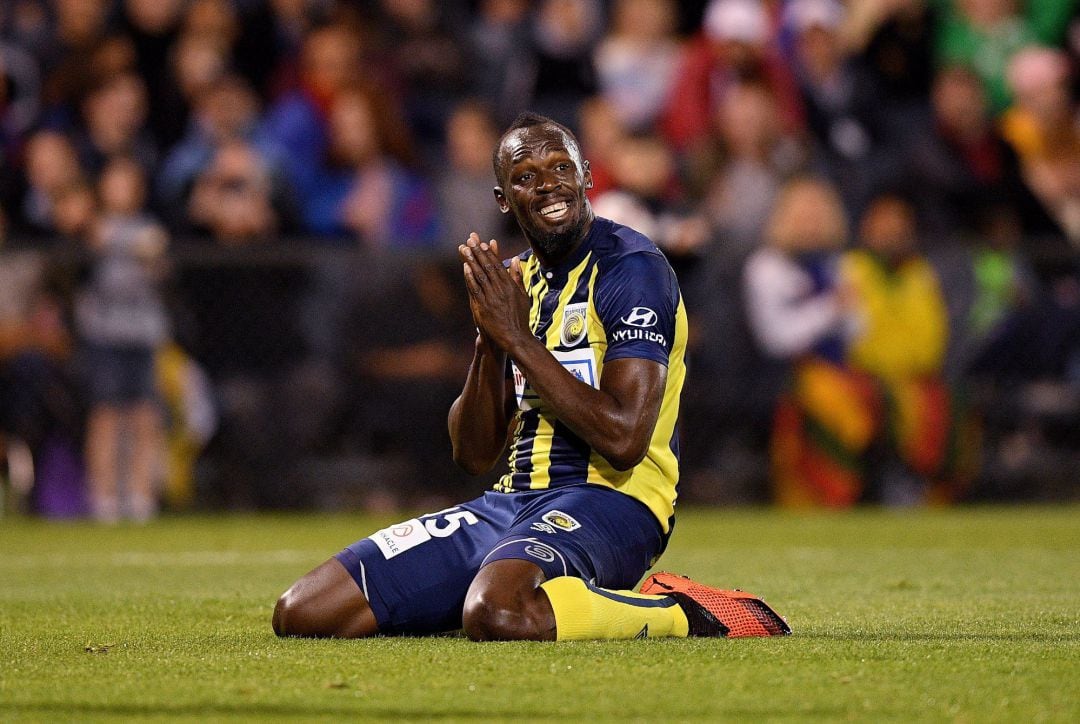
579, 363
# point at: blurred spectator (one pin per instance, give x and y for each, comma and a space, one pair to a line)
51, 166
1017, 327
196, 63
153, 26
894, 42
67, 56
986, 287
502, 57
744, 172
795, 301
932, 444
39, 405
637, 60
1043, 128
114, 123
121, 322
601, 134
843, 104
985, 34
430, 61
298, 121
465, 179
564, 35
235, 199
798, 312
225, 109
365, 187
644, 197
962, 165
735, 45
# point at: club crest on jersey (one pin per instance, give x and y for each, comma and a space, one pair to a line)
573, 324
560, 520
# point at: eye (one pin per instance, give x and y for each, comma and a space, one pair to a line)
563, 166
522, 178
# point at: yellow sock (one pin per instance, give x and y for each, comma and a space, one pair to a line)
584, 612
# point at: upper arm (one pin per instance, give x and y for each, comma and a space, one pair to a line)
637, 385
638, 302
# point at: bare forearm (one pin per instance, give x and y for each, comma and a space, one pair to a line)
479, 418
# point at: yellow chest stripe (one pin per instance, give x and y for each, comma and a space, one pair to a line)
545, 429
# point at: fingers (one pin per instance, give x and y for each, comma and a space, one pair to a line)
484, 263
482, 266
473, 264
471, 283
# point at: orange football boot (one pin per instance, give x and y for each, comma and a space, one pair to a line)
716, 612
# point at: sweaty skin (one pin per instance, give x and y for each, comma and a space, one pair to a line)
539, 168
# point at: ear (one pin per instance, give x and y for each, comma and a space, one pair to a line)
500, 199
587, 175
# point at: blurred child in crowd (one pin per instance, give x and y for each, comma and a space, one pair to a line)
121, 321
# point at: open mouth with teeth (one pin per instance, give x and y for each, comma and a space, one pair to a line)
555, 211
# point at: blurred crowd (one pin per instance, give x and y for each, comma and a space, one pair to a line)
873, 206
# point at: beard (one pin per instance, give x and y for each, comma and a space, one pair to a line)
553, 243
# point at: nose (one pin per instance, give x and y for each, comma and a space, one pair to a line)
547, 182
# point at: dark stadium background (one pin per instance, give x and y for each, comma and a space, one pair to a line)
332, 354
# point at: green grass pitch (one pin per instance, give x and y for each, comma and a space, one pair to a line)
966, 615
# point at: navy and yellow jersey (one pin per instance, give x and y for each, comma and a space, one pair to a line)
615, 298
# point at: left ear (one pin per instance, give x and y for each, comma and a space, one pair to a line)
587, 175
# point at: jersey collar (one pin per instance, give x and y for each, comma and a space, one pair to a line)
556, 275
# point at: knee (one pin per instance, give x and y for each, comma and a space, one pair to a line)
297, 615
324, 603
489, 617
288, 613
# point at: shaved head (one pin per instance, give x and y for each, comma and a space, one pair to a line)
525, 121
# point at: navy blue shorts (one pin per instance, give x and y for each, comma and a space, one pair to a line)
415, 574
118, 375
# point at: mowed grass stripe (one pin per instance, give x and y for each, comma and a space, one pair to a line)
144, 558
957, 615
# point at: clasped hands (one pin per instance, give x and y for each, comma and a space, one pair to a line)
497, 298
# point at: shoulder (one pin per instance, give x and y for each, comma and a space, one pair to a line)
631, 272
622, 248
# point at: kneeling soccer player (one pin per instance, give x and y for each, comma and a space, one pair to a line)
580, 353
